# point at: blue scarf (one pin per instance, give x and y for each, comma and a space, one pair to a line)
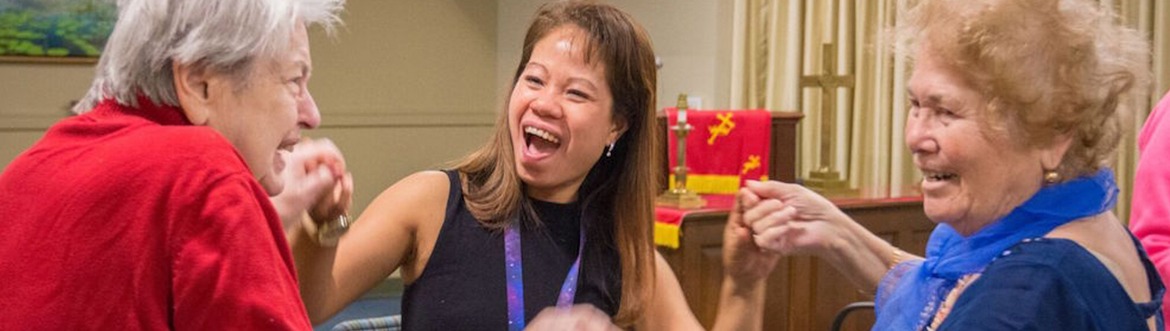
912, 302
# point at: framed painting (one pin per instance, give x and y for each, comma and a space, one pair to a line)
55, 30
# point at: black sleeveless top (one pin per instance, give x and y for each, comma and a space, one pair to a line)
463, 285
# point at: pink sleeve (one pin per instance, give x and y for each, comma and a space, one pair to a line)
232, 267
1150, 213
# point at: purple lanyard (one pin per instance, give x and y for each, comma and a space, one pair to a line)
515, 274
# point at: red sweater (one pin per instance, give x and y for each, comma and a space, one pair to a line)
135, 219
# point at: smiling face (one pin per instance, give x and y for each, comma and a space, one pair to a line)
263, 116
560, 116
972, 176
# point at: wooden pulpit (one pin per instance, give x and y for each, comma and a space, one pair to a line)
803, 293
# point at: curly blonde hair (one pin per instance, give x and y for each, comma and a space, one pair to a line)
1046, 67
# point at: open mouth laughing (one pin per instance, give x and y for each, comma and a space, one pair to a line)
540, 142
935, 181
282, 151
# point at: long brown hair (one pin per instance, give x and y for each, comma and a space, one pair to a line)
619, 189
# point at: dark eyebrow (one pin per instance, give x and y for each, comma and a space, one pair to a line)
934, 99
579, 80
583, 81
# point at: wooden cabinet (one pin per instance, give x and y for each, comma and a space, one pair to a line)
804, 293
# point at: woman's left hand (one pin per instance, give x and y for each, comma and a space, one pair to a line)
743, 261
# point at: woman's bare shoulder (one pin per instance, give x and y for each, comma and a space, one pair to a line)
412, 199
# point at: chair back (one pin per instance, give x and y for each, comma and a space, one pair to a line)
850, 308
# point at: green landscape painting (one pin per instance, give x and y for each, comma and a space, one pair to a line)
55, 28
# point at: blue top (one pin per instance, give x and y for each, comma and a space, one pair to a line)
1052, 284
910, 295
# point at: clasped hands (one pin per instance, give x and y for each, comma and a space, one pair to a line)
790, 219
317, 187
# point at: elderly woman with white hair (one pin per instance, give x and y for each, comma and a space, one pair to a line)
151, 209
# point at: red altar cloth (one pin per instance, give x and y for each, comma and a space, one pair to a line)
724, 148
715, 202
667, 220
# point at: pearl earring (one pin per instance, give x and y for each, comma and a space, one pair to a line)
609, 151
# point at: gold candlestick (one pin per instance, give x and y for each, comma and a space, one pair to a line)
679, 196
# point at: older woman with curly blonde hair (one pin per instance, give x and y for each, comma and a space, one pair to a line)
1015, 109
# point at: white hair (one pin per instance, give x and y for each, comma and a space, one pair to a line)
224, 36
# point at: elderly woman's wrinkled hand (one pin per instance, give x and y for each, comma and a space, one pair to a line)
582, 317
791, 219
316, 182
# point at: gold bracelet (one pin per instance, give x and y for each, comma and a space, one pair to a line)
896, 258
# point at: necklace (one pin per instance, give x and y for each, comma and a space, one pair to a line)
949, 302
514, 266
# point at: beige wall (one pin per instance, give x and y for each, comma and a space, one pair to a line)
693, 38
409, 85
32, 97
405, 86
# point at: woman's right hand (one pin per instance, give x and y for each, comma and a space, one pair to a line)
791, 219
315, 181
577, 317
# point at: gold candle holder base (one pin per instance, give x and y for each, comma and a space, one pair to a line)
681, 199
829, 183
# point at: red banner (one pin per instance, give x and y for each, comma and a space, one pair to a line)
724, 148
